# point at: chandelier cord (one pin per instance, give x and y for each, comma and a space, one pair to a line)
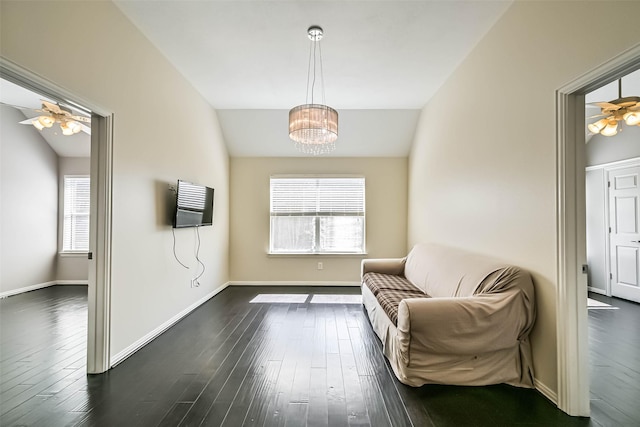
306, 98
313, 85
321, 74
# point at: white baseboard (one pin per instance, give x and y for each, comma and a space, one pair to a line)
597, 291
119, 357
292, 283
27, 289
546, 391
42, 285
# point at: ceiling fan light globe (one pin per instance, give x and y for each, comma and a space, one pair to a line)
610, 130
36, 123
632, 118
66, 129
74, 126
46, 121
596, 127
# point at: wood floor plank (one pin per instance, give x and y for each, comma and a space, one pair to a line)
232, 362
614, 352
206, 398
318, 410
176, 414
216, 356
356, 409
239, 386
277, 409
336, 400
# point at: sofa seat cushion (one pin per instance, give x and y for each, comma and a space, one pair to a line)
389, 290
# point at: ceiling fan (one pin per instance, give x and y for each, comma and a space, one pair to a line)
54, 113
614, 112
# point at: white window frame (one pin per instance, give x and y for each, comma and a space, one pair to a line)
317, 215
65, 213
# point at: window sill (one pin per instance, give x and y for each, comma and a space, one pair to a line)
324, 255
73, 254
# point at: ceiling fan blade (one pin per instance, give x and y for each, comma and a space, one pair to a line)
597, 115
81, 119
86, 129
627, 104
607, 106
28, 121
51, 107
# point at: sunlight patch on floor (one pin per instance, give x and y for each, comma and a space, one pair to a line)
280, 298
336, 299
598, 305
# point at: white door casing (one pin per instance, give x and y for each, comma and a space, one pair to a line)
624, 232
571, 311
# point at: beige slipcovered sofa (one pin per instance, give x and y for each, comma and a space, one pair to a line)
447, 316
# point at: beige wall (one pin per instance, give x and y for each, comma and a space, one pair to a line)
29, 207
73, 268
116, 68
482, 166
386, 217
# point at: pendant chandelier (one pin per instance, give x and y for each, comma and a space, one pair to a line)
314, 127
615, 112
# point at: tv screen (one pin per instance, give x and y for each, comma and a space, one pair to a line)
194, 205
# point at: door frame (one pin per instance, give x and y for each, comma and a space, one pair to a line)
99, 292
571, 310
606, 168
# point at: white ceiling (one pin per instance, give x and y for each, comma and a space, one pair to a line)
77, 145
382, 61
254, 54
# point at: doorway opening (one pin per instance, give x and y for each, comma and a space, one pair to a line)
100, 175
612, 195
571, 309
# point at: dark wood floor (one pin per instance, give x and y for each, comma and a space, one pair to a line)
234, 363
614, 355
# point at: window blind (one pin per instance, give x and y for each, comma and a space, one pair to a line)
317, 215
76, 214
317, 196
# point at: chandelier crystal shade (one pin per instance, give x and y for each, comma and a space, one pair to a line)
314, 127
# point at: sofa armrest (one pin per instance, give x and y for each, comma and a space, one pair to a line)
469, 325
382, 265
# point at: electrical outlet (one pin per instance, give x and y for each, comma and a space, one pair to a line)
194, 283
320, 266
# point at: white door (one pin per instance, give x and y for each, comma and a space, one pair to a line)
624, 221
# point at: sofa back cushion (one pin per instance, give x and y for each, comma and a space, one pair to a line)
441, 271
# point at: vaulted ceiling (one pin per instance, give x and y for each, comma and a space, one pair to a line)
383, 60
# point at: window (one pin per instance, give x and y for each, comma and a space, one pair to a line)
317, 215
75, 234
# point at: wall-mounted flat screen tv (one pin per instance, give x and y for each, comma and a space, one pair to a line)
194, 205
